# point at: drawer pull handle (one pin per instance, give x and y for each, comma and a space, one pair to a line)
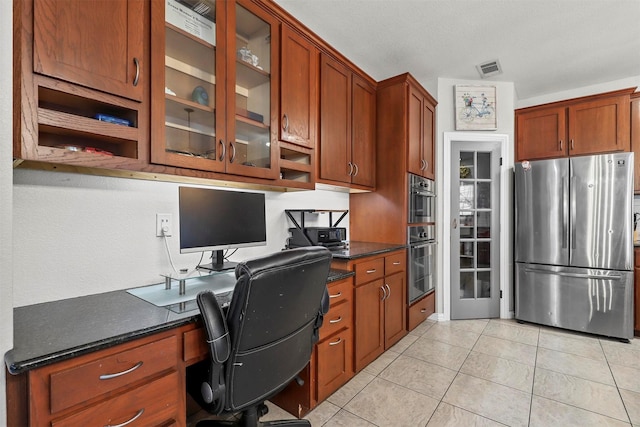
373, 270
135, 417
424, 310
339, 294
339, 319
336, 342
396, 263
119, 374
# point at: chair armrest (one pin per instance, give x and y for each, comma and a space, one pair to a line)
216, 325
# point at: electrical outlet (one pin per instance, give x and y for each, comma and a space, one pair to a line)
163, 220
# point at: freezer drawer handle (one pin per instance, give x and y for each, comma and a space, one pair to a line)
577, 275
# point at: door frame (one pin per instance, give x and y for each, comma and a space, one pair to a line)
444, 248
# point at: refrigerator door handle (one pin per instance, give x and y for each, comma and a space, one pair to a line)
577, 275
572, 195
565, 214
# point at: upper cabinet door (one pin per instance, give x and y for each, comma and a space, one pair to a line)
214, 87
363, 133
599, 126
298, 89
428, 143
335, 121
253, 40
188, 86
541, 134
416, 134
97, 44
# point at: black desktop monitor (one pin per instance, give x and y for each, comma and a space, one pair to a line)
216, 220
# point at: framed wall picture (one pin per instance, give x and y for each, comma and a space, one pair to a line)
475, 107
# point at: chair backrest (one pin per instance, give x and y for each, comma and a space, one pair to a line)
272, 321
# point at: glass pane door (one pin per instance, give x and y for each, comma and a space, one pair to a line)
250, 147
190, 83
475, 210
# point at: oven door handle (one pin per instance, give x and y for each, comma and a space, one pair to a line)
420, 246
423, 193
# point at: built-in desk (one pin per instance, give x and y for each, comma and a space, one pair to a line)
59, 346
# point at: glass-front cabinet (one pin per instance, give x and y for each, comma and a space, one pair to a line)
214, 87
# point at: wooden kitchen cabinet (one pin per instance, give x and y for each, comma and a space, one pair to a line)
298, 127
380, 305
421, 133
635, 139
405, 136
420, 310
215, 94
98, 44
298, 89
589, 125
347, 126
81, 82
140, 379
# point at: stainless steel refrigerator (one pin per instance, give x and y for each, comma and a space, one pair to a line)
574, 243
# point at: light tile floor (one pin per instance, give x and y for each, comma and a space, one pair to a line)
490, 373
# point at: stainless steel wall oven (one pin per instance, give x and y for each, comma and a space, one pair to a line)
422, 200
422, 259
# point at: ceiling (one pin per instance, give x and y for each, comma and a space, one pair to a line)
543, 46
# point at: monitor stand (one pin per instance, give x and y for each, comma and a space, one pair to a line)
218, 263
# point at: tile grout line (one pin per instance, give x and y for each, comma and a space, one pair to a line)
624, 405
533, 382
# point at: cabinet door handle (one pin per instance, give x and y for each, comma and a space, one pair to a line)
339, 294
233, 152
572, 145
350, 169
384, 293
386, 285
355, 165
135, 417
136, 79
338, 341
223, 152
285, 123
396, 262
423, 165
119, 374
426, 165
339, 319
560, 145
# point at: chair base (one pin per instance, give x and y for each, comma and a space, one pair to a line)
227, 423
250, 417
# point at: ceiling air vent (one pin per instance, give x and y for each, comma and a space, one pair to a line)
490, 68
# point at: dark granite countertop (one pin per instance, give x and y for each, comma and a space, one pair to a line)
54, 331
364, 249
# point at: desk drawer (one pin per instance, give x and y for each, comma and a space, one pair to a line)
338, 317
340, 291
83, 382
195, 345
152, 404
395, 263
367, 271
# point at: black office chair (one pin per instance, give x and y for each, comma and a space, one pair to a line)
267, 335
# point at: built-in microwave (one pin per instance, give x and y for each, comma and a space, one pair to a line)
422, 200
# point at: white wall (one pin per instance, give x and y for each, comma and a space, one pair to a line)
582, 91
6, 188
76, 234
505, 98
